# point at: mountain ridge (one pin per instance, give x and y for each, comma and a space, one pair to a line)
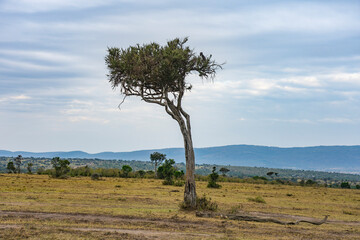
329, 158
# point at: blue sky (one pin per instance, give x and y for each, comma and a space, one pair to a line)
291, 78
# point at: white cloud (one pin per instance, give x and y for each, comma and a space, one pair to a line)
87, 119
24, 65
349, 78
14, 98
337, 120
49, 56
308, 81
290, 120
32, 6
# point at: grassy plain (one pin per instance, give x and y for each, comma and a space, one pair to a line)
39, 207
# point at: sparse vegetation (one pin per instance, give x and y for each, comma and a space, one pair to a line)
112, 168
154, 208
257, 199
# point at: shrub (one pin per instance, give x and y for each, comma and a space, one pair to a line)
29, 166
167, 171
81, 171
179, 183
345, 185
11, 167
160, 172
259, 178
202, 204
179, 174
279, 181
126, 169
302, 182
40, 170
205, 204
140, 173
348, 212
357, 186
258, 199
236, 209
213, 177
310, 182
95, 176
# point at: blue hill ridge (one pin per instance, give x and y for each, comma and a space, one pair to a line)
323, 158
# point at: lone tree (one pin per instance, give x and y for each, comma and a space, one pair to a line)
18, 160
224, 171
157, 158
158, 74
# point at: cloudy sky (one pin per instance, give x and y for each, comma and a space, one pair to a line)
291, 78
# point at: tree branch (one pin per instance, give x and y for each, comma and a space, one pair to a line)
247, 217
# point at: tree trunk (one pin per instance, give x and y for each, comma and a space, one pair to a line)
190, 188
155, 169
183, 119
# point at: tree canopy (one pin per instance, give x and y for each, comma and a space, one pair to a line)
153, 72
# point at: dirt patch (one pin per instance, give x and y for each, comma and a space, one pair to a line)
150, 227
147, 233
176, 228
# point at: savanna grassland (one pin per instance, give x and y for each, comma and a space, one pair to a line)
40, 207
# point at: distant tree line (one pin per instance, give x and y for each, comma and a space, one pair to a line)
170, 172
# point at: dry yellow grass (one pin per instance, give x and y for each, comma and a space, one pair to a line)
88, 206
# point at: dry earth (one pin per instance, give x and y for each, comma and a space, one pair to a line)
129, 227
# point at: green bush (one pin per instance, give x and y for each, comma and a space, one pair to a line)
81, 171
213, 177
179, 183
259, 178
126, 169
11, 167
205, 204
61, 167
202, 204
140, 173
345, 185
95, 176
310, 182
167, 171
